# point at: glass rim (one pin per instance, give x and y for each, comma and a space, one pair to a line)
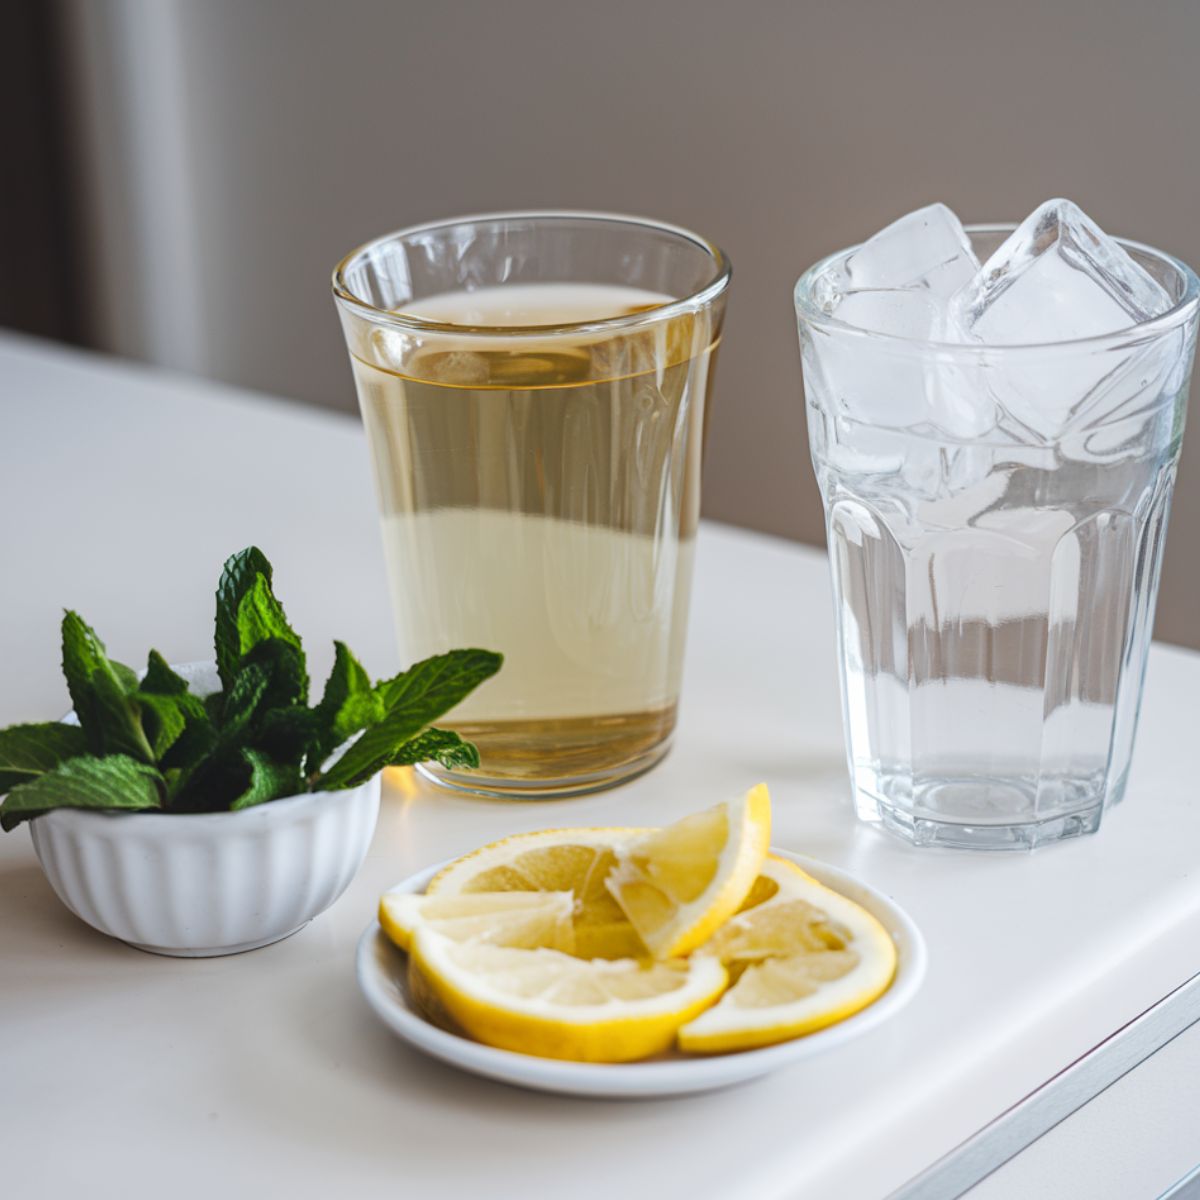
693, 302
1178, 314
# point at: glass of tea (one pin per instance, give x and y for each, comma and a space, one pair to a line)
534, 388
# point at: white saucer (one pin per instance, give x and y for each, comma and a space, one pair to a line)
382, 975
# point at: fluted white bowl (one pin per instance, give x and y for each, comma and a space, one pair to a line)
195, 885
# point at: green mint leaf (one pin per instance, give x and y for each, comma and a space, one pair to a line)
349, 704
237, 578
437, 684
82, 653
260, 616
242, 699
211, 785
187, 755
169, 708
169, 711
437, 745
162, 721
258, 711
412, 701
160, 679
264, 632
126, 676
27, 751
109, 783
114, 717
283, 663
287, 734
269, 780
100, 691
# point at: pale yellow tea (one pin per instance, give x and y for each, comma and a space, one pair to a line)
540, 495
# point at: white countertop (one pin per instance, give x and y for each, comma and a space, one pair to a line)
123, 489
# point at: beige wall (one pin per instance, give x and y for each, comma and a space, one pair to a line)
275, 135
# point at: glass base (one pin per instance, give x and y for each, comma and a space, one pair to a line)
1023, 835
479, 783
985, 812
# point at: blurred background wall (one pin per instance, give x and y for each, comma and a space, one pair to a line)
196, 167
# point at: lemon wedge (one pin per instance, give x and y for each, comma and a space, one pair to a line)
525, 920
677, 885
555, 860
554, 1005
802, 957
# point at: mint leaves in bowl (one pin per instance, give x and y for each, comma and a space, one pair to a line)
211, 809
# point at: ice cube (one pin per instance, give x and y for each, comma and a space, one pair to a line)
1058, 277
961, 405
898, 283
878, 380
913, 315
927, 249
904, 384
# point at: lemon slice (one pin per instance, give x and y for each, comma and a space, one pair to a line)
555, 860
676, 885
523, 919
554, 1005
803, 957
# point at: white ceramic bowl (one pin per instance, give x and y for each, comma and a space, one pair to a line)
201, 884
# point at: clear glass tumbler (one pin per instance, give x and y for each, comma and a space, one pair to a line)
995, 519
534, 388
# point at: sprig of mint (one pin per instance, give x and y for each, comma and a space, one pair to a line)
151, 744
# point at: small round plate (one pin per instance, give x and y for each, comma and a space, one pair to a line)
382, 975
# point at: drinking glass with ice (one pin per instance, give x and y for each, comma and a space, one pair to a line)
995, 417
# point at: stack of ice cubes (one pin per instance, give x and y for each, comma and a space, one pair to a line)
1058, 278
